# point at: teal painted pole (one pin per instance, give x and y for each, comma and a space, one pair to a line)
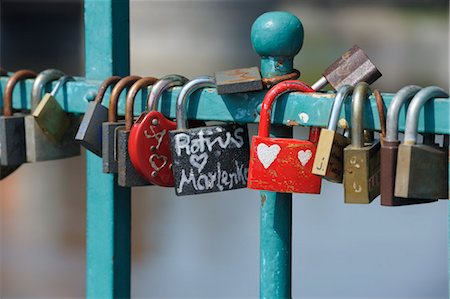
108, 206
277, 37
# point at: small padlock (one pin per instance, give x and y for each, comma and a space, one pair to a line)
352, 67
149, 142
12, 128
109, 128
127, 174
361, 161
329, 158
421, 169
282, 164
207, 159
39, 146
89, 133
389, 150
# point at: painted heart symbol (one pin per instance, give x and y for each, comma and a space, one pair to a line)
157, 159
199, 161
304, 156
267, 154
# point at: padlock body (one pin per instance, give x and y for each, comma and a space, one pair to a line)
238, 80
89, 133
362, 173
210, 159
109, 145
12, 140
127, 174
7, 170
421, 172
149, 148
283, 165
389, 151
40, 148
52, 119
329, 158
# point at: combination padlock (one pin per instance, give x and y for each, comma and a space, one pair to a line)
389, 150
127, 174
149, 142
89, 133
39, 146
109, 128
12, 128
329, 158
361, 160
207, 159
422, 170
352, 67
282, 164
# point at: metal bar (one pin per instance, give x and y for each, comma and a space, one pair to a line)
108, 206
306, 109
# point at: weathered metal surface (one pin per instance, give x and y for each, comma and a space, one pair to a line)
127, 175
238, 80
12, 140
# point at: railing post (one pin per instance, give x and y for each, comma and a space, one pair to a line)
108, 206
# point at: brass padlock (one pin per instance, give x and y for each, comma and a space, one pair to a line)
361, 161
39, 146
421, 169
329, 158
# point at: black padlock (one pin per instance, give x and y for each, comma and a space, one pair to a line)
109, 128
89, 133
127, 174
207, 159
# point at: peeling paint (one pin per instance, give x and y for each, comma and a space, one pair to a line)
304, 117
291, 123
263, 199
343, 123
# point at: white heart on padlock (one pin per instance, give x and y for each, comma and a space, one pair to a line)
198, 161
304, 156
267, 154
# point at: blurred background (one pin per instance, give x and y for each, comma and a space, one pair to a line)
208, 245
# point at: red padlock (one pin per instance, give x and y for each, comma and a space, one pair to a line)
282, 164
149, 142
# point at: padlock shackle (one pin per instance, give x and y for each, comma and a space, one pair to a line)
115, 94
401, 97
412, 115
360, 96
41, 80
188, 89
343, 92
162, 85
60, 83
273, 93
104, 87
9, 88
131, 95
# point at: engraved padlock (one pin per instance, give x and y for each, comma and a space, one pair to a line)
361, 160
127, 174
149, 142
12, 128
39, 146
421, 169
329, 158
389, 150
89, 133
109, 128
282, 164
207, 159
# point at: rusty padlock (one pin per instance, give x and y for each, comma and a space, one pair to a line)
127, 174
352, 67
12, 128
89, 133
361, 161
39, 146
389, 150
421, 169
109, 128
282, 164
329, 158
207, 159
149, 142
